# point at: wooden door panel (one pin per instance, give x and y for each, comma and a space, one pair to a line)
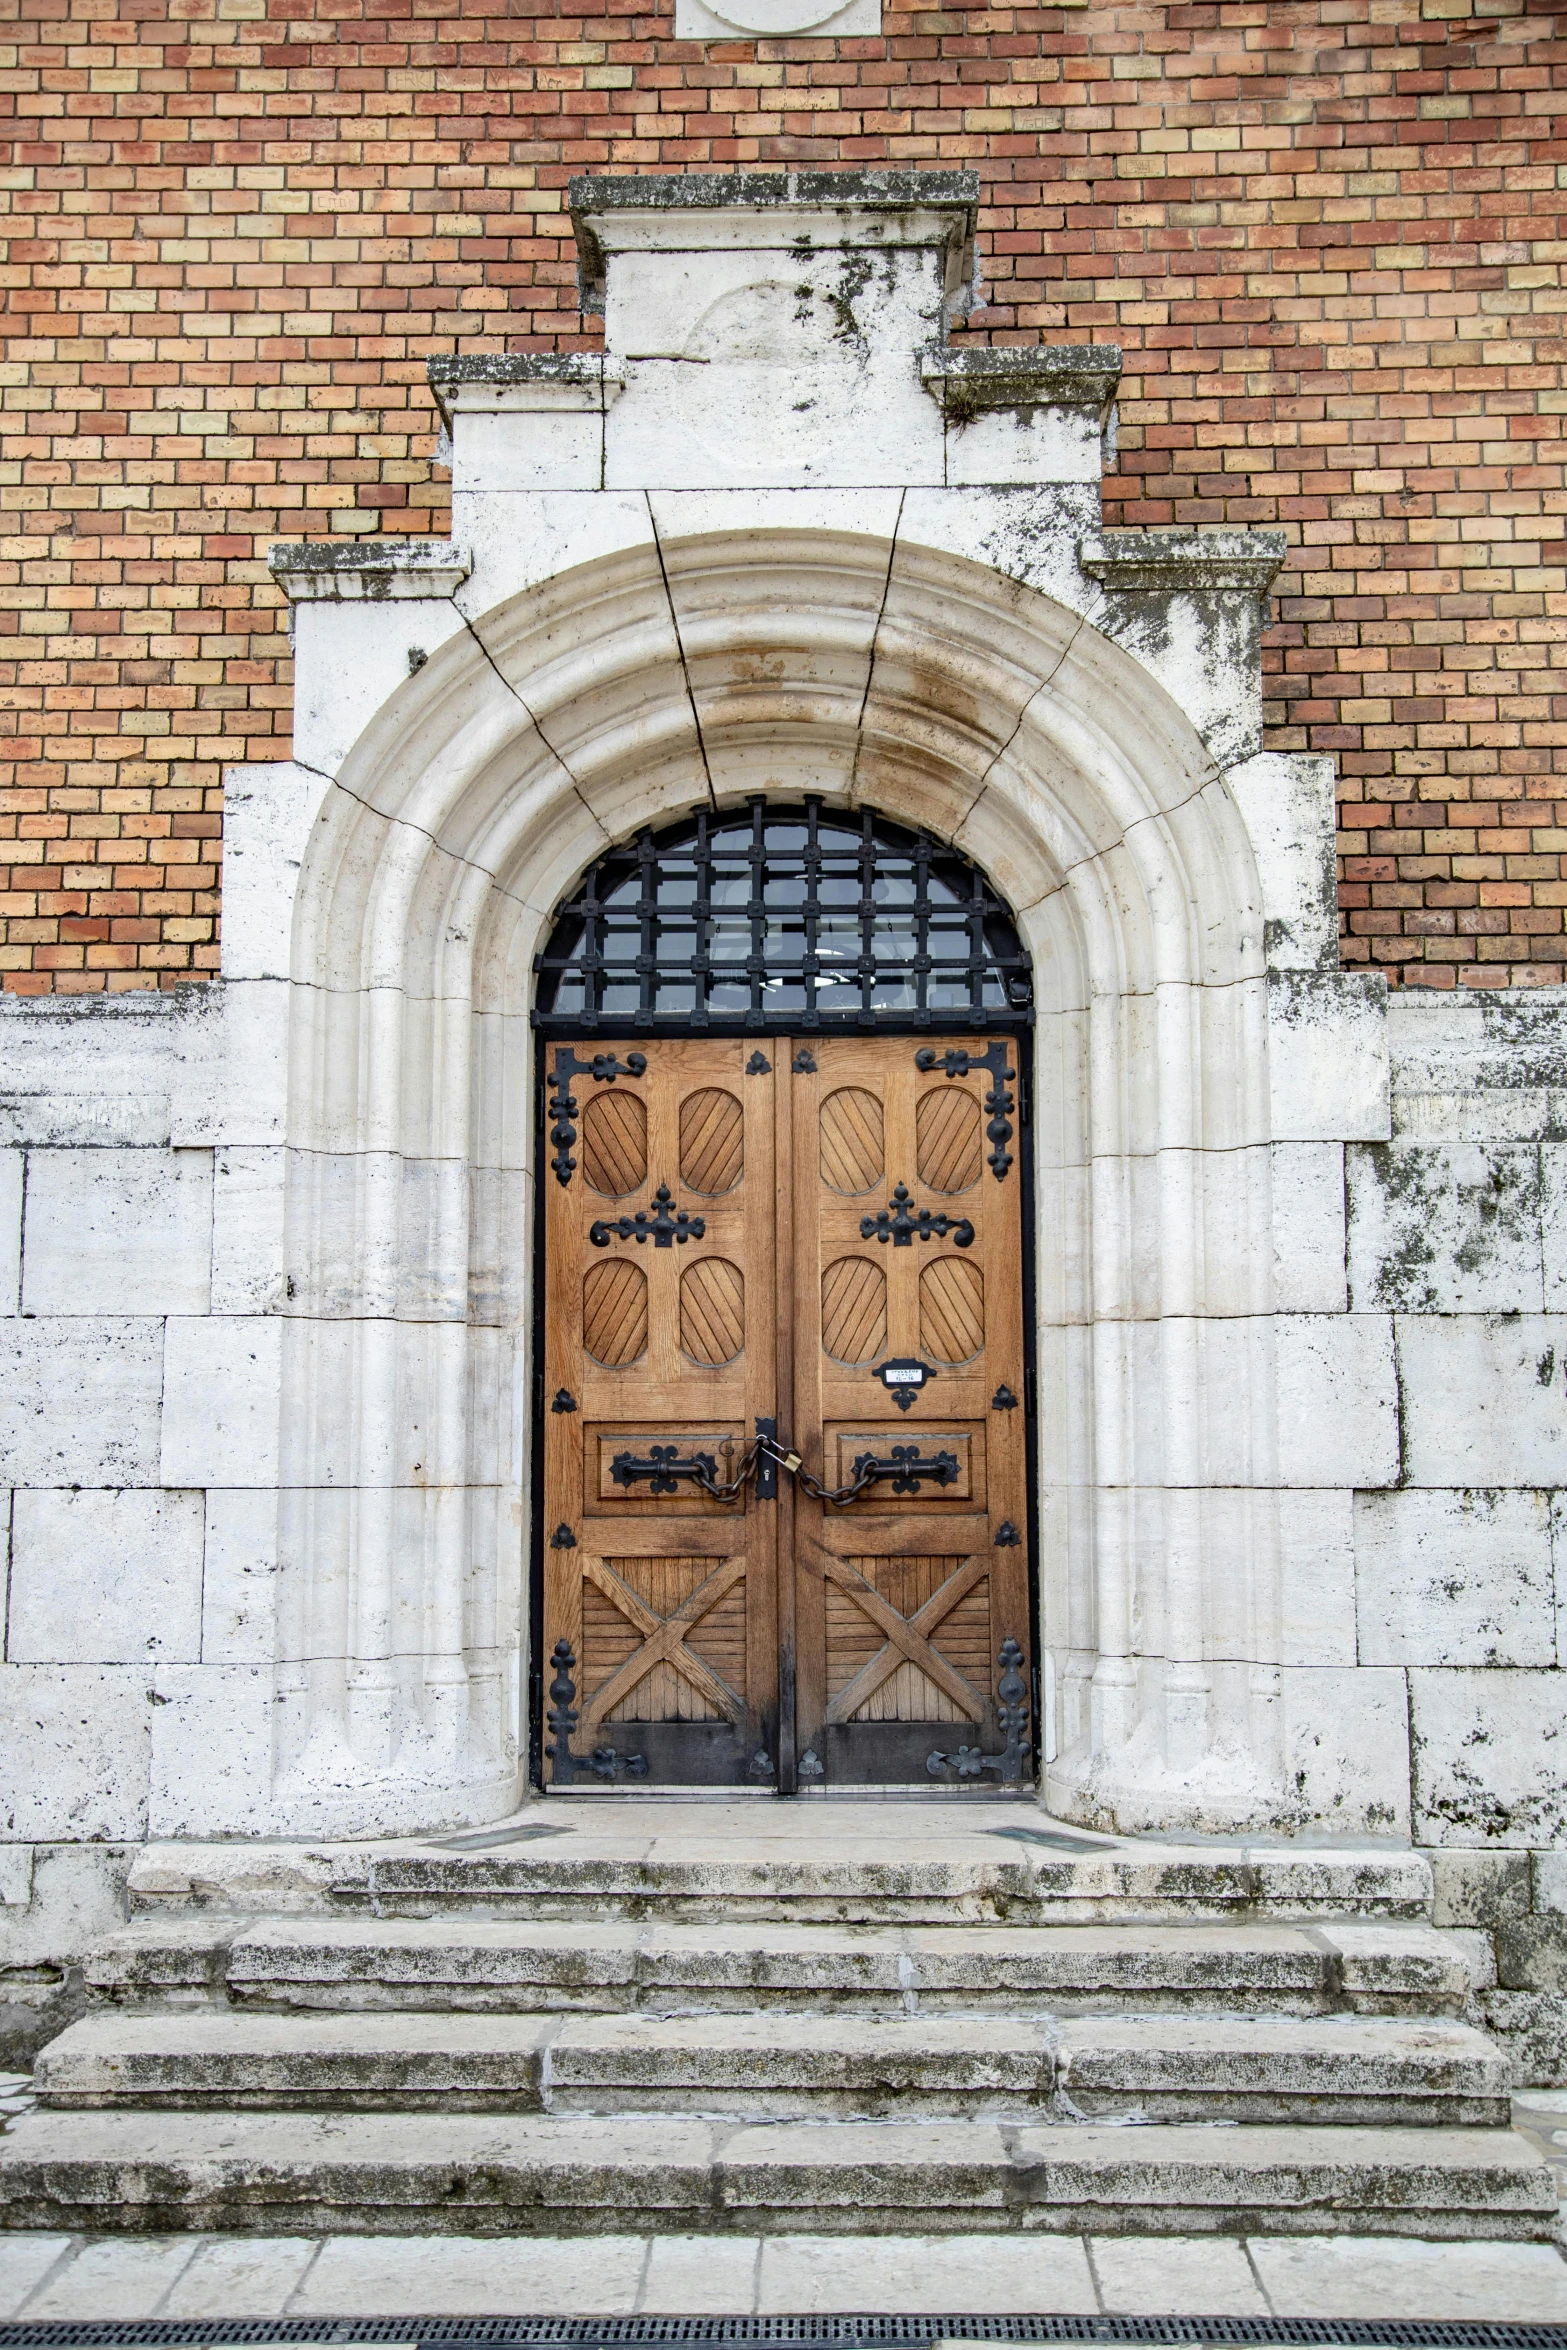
736, 1236
660, 1321
908, 1251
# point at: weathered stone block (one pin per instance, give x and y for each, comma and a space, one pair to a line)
105, 1578
1338, 1416
1327, 1057
1484, 1398
10, 1229
239, 1577
220, 1402
1532, 2027
1346, 1748
1317, 1578
1451, 1228
1459, 1578
1478, 1888
79, 1401
118, 1232
1550, 1881
1531, 1954
1287, 804
247, 1229
1488, 1753
74, 1748
1308, 1227
211, 1764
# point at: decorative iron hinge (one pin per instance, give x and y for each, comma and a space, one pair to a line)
898, 1223
604, 1068
603, 1762
998, 1101
905, 1467
654, 1223
662, 1468
1012, 1718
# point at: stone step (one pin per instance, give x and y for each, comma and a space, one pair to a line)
973, 1862
576, 2174
1341, 1965
1363, 2070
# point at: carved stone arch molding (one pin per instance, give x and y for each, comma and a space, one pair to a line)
478, 792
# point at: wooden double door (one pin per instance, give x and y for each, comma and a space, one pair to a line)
806, 1248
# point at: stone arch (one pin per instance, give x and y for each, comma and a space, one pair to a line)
626, 691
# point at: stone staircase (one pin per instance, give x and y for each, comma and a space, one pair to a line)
850, 2018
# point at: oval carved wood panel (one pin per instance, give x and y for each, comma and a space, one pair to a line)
712, 1312
614, 1144
854, 1310
614, 1314
952, 1310
853, 1151
948, 1144
712, 1142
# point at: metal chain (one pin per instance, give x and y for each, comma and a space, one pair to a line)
732, 1491
836, 1497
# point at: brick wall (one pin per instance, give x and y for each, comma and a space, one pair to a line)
1327, 234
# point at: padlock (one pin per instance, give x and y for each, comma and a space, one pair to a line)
794, 1462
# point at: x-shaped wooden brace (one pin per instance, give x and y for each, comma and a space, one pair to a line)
907, 1638
663, 1641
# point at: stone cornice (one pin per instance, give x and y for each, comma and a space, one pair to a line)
969, 382
340, 571
1202, 562
756, 191
766, 210
518, 381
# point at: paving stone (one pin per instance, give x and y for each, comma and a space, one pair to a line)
468, 2276
1171, 2276
24, 2263
1349, 2276
114, 2279
700, 2276
968, 2274
241, 2276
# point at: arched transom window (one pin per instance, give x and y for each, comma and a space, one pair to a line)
782, 917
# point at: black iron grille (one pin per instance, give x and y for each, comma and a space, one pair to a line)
780, 2333
782, 918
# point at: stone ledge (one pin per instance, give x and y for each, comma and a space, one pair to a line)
1166, 562
341, 571
501, 382
764, 210
751, 191
971, 382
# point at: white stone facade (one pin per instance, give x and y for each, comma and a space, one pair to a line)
265, 1249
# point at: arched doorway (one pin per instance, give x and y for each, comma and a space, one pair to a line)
784, 1527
